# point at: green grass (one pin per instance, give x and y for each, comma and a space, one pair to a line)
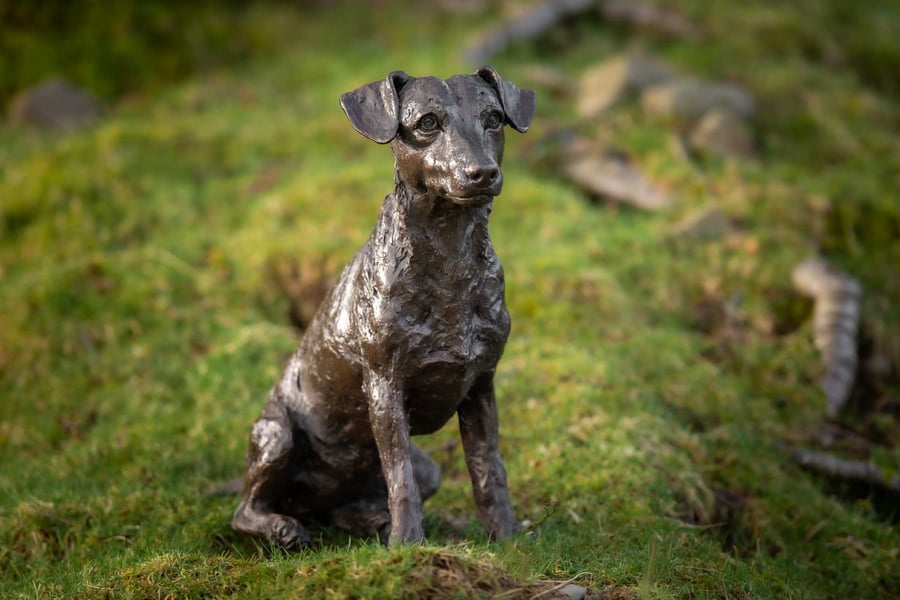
140, 332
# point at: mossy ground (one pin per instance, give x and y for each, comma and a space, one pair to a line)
642, 435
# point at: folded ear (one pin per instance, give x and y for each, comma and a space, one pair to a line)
518, 104
374, 108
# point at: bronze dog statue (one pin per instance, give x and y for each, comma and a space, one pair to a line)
410, 335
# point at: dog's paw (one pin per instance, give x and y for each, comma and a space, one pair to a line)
501, 523
288, 533
384, 533
409, 532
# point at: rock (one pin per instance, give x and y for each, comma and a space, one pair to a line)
688, 99
54, 104
611, 175
608, 83
552, 80
707, 224
721, 133
572, 592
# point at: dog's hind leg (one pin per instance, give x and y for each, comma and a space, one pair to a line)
271, 462
369, 516
426, 471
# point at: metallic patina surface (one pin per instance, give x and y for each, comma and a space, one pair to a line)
410, 335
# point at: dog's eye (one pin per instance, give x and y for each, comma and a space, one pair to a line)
493, 120
428, 123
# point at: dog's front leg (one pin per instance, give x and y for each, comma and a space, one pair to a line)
390, 427
479, 430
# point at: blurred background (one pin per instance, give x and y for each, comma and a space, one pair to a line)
701, 238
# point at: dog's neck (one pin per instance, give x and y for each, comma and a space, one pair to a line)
436, 226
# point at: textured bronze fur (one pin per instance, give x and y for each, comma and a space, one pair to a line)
409, 336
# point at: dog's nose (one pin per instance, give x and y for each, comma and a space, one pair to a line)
482, 174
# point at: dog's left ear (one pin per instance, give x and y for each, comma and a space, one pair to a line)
518, 104
374, 108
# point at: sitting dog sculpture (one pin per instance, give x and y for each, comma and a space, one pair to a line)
410, 335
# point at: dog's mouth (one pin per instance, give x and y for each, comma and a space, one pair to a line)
473, 201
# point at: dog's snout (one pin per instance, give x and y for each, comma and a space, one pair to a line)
482, 174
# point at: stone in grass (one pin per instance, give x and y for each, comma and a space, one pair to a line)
688, 99
722, 134
572, 592
548, 78
54, 104
610, 175
608, 83
706, 224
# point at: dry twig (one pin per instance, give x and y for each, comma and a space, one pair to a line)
852, 470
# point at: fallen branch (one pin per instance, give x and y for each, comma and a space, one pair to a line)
646, 16
851, 470
545, 15
835, 323
532, 24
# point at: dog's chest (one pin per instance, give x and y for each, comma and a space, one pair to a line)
445, 322
459, 337
459, 325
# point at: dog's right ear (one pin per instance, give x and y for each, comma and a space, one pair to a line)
374, 109
518, 104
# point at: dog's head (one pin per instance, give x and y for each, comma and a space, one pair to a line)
447, 136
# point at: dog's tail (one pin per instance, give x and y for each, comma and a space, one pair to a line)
232, 487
